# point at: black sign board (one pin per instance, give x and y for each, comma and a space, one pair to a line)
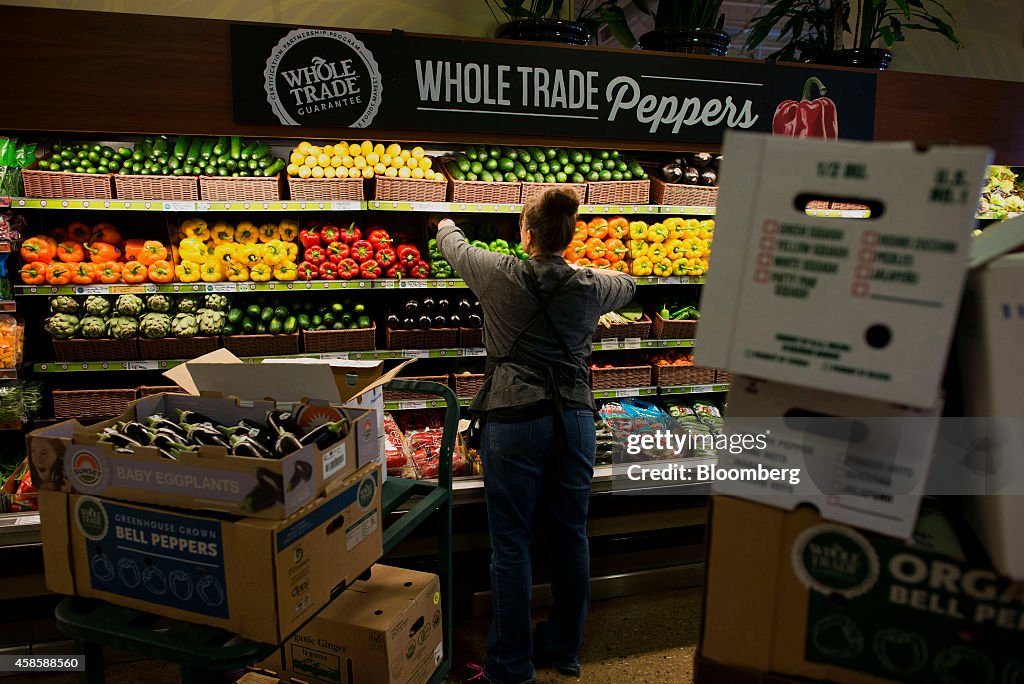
343, 79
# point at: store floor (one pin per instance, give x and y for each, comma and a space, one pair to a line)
644, 639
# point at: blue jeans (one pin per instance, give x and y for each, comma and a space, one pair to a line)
524, 477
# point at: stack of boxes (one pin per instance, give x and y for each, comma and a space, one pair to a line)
837, 332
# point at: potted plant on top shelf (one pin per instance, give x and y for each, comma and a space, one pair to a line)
537, 20
854, 33
688, 26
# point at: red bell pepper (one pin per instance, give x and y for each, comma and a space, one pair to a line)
347, 269
408, 255
328, 271
386, 257
807, 118
309, 238
396, 271
379, 238
329, 233
349, 235
336, 251
362, 251
308, 271
369, 269
419, 269
315, 255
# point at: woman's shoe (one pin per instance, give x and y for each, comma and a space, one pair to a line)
542, 659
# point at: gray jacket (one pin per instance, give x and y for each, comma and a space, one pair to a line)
499, 281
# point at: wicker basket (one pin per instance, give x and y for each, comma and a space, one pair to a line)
395, 189
666, 376
641, 329
326, 189
150, 390
402, 395
817, 206
619, 192
663, 329
531, 190
96, 350
619, 378
468, 384
683, 195
315, 341
177, 347
483, 192
471, 337
722, 377
435, 338
67, 185
262, 345
91, 404
846, 206
184, 188
240, 188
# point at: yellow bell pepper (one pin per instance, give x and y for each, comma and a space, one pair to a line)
288, 230
272, 252
657, 251
657, 233
260, 273
248, 255
699, 268
705, 247
637, 230
225, 253
663, 267
680, 266
195, 228
192, 249
223, 233
246, 233
286, 270
638, 248
675, 248
268, 232
237, 272
676, 225
188, 271
642, 266
291, 251
694, 248
212, 272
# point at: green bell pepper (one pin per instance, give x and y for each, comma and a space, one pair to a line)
479, 243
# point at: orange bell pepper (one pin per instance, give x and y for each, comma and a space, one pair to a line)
79, 231
37, 249
577, 249
583, 262
58, 273
102, 252
109, 272
621, 266
581, 231
152, 251
602, 263
134, 272
71, 252
132, 249
597, 228
83, 273
618, 227
596, 248
615, 250
33, 273
60, 233
104, 232
161, 271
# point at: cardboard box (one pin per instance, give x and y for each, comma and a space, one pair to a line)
789, 593
262, 579
857, 461
385, 630
69, 457
859, 307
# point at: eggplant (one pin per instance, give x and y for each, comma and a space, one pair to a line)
118, 439
427, 305
701, 159
465, 307
206, 435
394, 322
443, 305
303, 472
287, 443
709, 177
425, 322
137, 431
440, 321
672, 173
282, 421
409, 323
159, 422
266, 493
193, 418
250, 428
474, 321
247, 446
412, 307
327, 434
691, 176
454, 321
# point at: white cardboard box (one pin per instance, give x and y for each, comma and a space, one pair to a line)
860, 462
864, 307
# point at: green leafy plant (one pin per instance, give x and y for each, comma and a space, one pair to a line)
669, 14
809, 28
521, 9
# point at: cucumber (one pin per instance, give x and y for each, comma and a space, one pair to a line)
189, 169
563, 157
494, 152
491, 164
181, 146
303, 321
538, 155
221, 160
236, 147
486, 176
471, 153
519, 170
509, 153
290, 325
223, 171
523, 156
210, 170
160, 146
147, 148
262, 150
476, 167
462, 163
206, 150
193, 150
249, 149
220, 147
231, 165
510, 177
455, 171
506, 164
578, 178
174, 163
264, 162
274, 168
178, 172
252, 165
472, 176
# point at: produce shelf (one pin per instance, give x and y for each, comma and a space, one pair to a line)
693, 389
420, 404
18, 529
626, 392
187, 288
611, 344
418, 284
8, 306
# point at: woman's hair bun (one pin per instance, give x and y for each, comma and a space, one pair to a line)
560, 201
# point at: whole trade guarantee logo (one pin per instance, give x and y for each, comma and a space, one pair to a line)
832, 559
92, 518
321, 77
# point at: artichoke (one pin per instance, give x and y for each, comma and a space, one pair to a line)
189, 304
62, 326
159, 303
218, 302
123, 327
155, 325
97, 306
63, 304
94, 327
129, 305
184, 325
211, 322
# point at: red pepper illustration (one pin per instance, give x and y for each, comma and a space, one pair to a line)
808, 118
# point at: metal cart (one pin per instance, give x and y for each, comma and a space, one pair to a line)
204, 653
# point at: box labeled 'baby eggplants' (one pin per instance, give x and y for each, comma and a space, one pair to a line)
858, 306
264, 451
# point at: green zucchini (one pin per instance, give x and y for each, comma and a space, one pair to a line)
236, 147
274, 168
160, 146
262, 150
193, 150
181, 146
220, 147
206, 151
249, 149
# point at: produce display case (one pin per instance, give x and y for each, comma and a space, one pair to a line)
67, 185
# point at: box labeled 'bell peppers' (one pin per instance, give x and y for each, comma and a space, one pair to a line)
262, 579
864, 307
